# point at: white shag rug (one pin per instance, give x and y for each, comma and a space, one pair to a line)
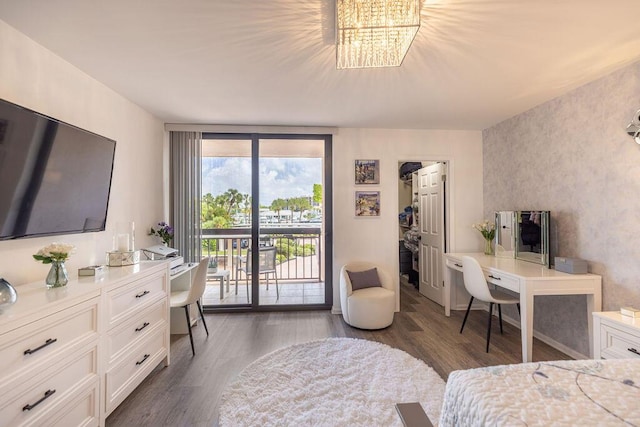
331, 382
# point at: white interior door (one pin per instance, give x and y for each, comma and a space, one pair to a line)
431, 194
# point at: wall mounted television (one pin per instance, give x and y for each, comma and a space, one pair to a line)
55, 178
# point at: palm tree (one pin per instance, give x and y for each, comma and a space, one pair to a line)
232, 199
206, 208
299, 204
277, 205
303, 205
246, 206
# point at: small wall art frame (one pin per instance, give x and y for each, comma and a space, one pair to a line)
367, 172
367, 204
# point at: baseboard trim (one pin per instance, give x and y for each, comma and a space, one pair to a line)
514, 322
536, 334
549, 341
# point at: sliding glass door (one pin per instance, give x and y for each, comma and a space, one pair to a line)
265, 220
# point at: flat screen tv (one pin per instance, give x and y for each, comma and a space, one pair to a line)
54, 178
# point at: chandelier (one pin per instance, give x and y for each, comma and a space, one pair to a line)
375, 33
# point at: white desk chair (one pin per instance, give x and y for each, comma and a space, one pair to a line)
186, 298
476, 285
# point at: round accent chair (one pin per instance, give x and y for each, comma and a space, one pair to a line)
367, 296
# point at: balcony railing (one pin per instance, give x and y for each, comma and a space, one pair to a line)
299, 250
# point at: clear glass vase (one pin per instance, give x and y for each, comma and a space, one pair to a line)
57, 276
488, 247
8, 294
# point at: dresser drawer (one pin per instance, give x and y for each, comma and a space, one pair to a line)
83, 410
129, 333
125, 301
618, 344
80, 409
25, 402
456, 265
502, 280
123, 377
46, 339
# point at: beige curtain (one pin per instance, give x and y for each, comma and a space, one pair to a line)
186, 182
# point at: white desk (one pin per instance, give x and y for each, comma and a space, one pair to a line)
528, 279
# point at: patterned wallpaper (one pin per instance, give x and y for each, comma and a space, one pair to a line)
572, 156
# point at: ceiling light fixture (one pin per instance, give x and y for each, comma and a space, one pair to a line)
375, 33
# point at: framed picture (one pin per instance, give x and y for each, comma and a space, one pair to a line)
367, 203
367, 172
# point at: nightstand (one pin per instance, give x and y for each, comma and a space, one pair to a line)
615, 336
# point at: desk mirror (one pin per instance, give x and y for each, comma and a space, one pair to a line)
505, 234
523, 235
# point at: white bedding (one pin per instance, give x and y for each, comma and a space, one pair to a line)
563, 393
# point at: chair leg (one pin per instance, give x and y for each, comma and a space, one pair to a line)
277, 289
489, 328
247, 287
500, 316
202, 317
186, 310
467, 314
518, 305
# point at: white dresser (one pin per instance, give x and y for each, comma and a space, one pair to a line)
615, 336
71, 355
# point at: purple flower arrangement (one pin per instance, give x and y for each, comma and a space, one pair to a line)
164, 231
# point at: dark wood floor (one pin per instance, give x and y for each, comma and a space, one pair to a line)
187, 393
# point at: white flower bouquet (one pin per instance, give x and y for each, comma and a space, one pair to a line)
487, 229
58, 252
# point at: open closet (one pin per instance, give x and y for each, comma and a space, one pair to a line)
421, 225
408, 208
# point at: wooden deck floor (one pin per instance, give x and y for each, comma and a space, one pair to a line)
187, 393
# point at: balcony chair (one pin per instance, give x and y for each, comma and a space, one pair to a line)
367, 296
477, 286
266, 266
193, 295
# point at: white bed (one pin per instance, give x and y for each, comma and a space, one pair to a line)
562, 393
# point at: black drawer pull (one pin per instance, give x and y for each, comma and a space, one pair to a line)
144, 325
146, 356
47, 394
458, 265
46, 343
141, 294
633, 350
494, 278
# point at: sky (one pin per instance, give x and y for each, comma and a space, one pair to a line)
280, 178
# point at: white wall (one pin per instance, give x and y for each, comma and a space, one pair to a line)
34, 77
572, 156
376, 239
